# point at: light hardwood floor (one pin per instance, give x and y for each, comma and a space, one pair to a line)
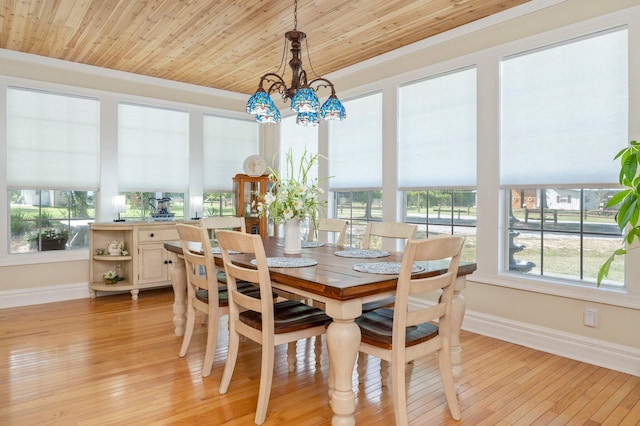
113, 361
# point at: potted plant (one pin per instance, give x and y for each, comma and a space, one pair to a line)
48, 239
629, 200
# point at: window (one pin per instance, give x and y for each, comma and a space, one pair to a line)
153, 159
221, 164
359, 208
298, 139
227, 142
355, 145
564, 111
53, 147
43, 220
437, 153
444, 212
153, 206
357, 177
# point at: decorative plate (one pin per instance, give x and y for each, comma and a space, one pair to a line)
306, 244
254, 165
288, 262
362, 253
389, 268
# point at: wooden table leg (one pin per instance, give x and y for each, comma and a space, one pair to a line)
179, 283
458, 307
343, 341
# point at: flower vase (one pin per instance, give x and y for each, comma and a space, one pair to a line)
292, 242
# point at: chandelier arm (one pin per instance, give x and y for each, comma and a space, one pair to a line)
273, 78
327, 83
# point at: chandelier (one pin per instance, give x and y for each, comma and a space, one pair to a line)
301, 92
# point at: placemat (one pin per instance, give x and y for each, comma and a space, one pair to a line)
306, 244
288, 262
384, 268
362, 253
216, 250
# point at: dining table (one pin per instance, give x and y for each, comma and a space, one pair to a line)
343, 279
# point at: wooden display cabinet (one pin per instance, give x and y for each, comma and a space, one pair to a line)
147, 263
246, 189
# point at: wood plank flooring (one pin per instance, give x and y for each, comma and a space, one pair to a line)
112, 361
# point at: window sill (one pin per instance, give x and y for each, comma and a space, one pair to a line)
52, 256
608, 296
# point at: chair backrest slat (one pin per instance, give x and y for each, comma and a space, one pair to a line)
397, 230
338, 226
247, 244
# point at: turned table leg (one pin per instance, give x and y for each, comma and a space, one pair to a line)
458, 307
179, 283
343, 341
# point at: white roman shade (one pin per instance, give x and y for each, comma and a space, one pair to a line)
153, 149
437, 134
355, 145
53, 140
297, 138
564, 112
227, 143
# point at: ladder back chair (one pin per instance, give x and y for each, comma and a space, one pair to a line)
215, 223
204, 294
267, 323
393, 230
402, 335
335, 226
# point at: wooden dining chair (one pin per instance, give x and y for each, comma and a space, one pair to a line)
382, 230
386, 230
329, 225
267, 323
402, 335
215, 223
204, 293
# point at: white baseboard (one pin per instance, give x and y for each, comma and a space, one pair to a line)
597, 352
39, 295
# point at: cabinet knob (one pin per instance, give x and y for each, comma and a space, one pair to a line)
151, 235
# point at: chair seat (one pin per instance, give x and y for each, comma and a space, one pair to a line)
376, 329
288, 316
223, 295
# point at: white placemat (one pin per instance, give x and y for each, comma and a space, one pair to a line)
362, 253
288, 262
216, 250
306, 244
384, 268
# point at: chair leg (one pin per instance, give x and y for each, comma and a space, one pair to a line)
362, 366
212, 340
318, 349
384, 372
188, 330
266, 377
399, 391
232, 355
447, 383
291, 356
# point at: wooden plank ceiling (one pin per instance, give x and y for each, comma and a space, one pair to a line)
225, 44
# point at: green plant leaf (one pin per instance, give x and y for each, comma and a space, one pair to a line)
604, 269
617, 198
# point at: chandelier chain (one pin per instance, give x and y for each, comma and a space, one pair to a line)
295, 15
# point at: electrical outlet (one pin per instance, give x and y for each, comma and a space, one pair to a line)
590, 318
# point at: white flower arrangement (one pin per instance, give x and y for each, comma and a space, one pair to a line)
297, 196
